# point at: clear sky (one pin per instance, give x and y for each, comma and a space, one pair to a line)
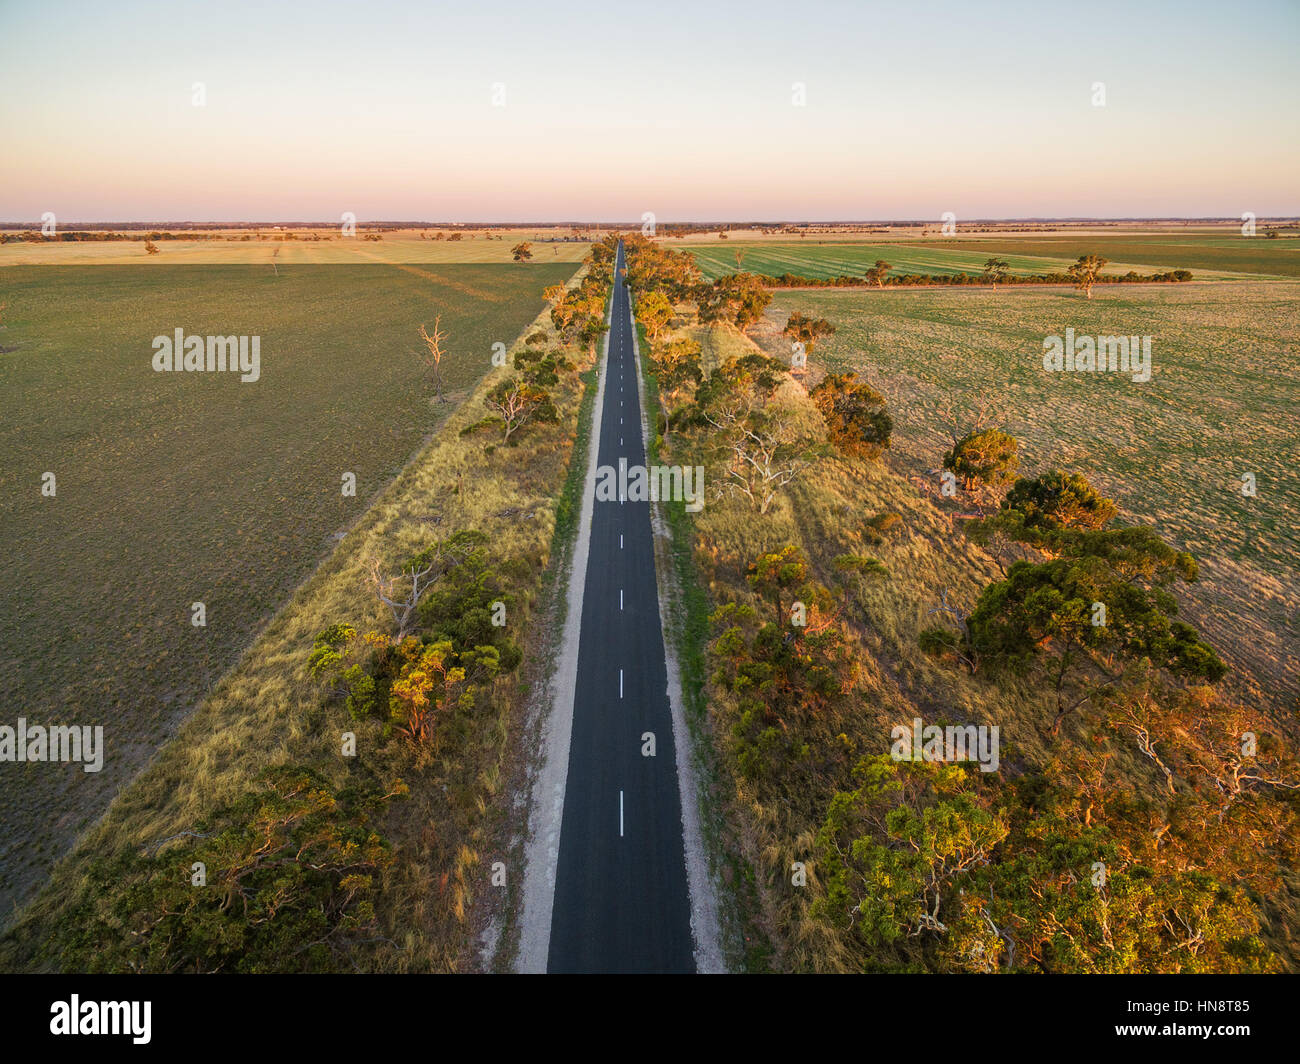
685, 109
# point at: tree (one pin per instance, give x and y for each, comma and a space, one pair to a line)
522, 252
432, 358
985, 457
786, 678
876, 274
922, 869
540, 367
1044, 510
895, 852
293, 868
562, 310
1135, 552
1056, 500
995, 270
737, 299
403, 591
1087, 623
517, 402
654, 311
857, 419
1085, 272
1195, 739
774, 573
768, 446
747, 381
807, 331
678, 364
427, 685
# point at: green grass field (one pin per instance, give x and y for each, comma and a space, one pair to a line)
1221, 402
176, 488
1213, 252
1211, 257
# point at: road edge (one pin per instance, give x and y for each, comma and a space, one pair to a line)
555, 729
706, 928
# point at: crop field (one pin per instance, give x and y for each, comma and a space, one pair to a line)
1212, 257
177, 488
263, 248
1211, 252
1221, 402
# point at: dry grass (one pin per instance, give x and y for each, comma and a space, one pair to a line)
926, 353
176, 488
228, 247
1221, 401
266, 711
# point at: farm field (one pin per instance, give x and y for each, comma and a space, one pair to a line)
833, 259
263, 248
1212, 252
1221, 402
182, 488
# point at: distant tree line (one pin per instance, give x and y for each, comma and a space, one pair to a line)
914, 280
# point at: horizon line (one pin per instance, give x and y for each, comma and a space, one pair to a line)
637, 223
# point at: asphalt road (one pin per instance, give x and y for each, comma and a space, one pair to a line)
621, 901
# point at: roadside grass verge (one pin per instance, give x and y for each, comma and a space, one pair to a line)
688, 609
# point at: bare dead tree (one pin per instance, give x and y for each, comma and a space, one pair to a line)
403, 590
432, 359
516, 402
765, 452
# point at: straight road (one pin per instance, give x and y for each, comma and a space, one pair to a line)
621, 901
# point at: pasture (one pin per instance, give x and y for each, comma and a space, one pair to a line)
1205, 253
176, 488
1210, 256
1221, 402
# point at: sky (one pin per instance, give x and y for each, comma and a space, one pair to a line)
505, 111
